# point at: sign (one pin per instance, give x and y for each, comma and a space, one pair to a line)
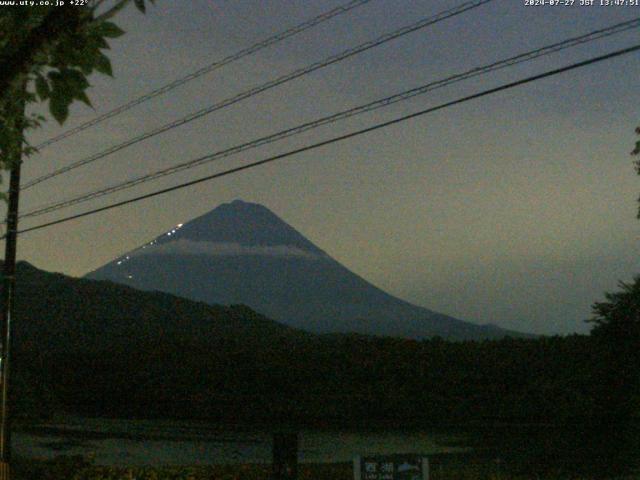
391, 467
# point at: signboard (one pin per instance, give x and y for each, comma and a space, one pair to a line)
391, 467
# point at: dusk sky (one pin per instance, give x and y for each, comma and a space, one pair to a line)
516, 209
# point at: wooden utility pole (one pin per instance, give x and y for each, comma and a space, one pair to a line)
14, 113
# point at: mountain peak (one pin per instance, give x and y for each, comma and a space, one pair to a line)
242, 252
240, 205
246, 224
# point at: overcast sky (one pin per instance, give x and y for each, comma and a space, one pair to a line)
516, 209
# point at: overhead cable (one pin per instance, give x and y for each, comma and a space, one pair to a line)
323, 17
264, 87
339, 138
380, 103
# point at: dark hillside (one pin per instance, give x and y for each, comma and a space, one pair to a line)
100, 348
242, 253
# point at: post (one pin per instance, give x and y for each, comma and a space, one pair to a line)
285, 456
13, 158
425, 468
357, 471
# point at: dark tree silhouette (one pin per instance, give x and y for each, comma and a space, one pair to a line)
51, 51
616, 378
636, 151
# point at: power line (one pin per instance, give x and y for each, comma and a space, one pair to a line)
340, 138
403, 96
209, 68
266, 86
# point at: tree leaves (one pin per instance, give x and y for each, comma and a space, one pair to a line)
84, 99
140, 5
66, 85
59, 107
70, 60
621, 312
103, 65
62, 61
636, 151
108, 30
42, 87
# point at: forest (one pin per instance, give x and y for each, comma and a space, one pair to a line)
101, 349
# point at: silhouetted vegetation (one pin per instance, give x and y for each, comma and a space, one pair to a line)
615, 342
97, 348
65, 468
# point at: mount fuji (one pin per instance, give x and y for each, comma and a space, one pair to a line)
242, 253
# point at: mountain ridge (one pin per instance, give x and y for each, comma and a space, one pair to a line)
242, 253
97, 348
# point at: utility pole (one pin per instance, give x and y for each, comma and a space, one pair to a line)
13, 158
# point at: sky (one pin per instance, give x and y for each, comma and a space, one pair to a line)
517, 209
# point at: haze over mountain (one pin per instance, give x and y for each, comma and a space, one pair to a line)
242, 253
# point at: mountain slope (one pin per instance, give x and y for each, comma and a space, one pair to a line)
87, 346
79, 315
242, 253
98, 348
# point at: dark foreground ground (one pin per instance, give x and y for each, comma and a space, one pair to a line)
441, 468
499, 452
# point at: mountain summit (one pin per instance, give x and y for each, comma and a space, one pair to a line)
242, 253
246, 224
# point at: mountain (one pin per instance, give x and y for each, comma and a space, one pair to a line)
60, 314
88, 347
242, 253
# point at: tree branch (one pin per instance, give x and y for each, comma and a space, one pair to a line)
112, 11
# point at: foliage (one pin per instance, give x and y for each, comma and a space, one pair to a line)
619, 316
231, 365
47, 54
60, 468
636, 151
75, 468
616, 374
99, 348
